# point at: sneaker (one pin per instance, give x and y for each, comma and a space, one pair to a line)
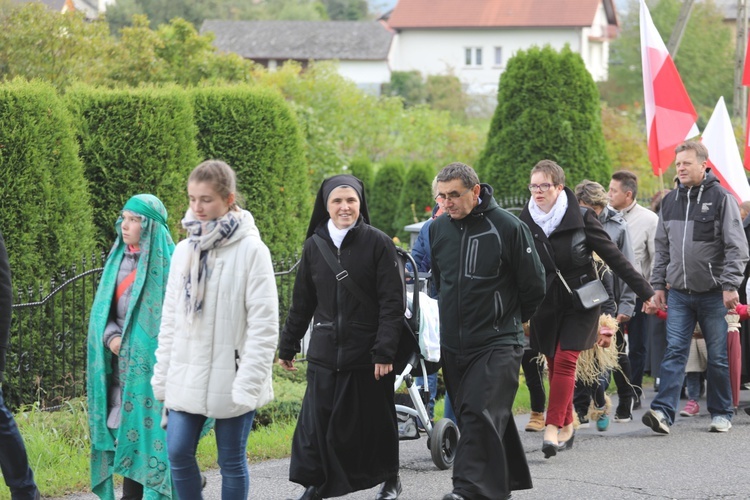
602, 424
656, 420
624, 412
583, 421
720, 424
691, 409
623, 419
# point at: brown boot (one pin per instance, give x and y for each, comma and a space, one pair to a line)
536, 422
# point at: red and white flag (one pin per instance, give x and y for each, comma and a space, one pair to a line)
723, 154
670, 115
746, 83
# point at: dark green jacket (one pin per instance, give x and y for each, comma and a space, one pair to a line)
488, 274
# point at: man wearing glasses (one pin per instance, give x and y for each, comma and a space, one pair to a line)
490, 281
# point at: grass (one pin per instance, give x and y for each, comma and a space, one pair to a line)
58, 444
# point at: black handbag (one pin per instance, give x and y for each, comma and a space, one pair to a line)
588, 295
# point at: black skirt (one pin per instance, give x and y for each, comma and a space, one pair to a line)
346, 437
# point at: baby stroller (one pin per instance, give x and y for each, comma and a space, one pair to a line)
442, 438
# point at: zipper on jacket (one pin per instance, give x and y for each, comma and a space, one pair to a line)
339, 319
236, 360
684, 238
462, 227
711, 270
499, 309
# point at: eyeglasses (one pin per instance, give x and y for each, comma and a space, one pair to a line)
540, 187
442, 198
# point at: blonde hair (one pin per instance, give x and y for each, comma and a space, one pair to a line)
221, 177
591, 193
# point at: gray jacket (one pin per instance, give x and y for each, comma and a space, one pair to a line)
617, 229
700, 244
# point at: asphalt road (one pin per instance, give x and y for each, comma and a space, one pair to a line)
628, 461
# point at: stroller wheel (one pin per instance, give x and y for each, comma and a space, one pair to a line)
443, 442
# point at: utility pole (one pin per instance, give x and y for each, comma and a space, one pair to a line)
739, 106
679, 28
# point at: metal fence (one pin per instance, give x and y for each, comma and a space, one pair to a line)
46, 359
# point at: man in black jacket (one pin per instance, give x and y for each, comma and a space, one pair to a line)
490, 281
13, 460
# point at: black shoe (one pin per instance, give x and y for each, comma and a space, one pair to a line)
549, 449
311, 493
453, 496
567, 445
203, 481
390, 490
747, 410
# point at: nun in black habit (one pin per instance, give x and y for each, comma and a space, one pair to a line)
346, 437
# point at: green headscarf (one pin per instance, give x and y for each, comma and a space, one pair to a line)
137, 449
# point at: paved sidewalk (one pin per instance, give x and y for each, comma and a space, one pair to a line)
628, 461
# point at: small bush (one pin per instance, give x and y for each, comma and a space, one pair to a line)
383, 198
361, 168
416, 201
548, 108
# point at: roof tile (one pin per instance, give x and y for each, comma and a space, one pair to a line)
319, 40
492, 13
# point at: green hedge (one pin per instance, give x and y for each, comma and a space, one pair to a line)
256, 133
382, 199
548, 108
416, 201
361, 168
44, 202
47, 225
135, 141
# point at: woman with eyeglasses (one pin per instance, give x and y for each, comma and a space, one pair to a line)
565, 235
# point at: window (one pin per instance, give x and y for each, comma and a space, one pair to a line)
498, 56
473, 56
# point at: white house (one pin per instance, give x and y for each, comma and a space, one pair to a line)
473, 39
360, 47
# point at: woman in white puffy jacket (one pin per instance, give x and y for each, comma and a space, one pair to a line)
218, 334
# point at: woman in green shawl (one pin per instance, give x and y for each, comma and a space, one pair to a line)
124, 416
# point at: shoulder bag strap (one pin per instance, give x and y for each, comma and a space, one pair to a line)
342, 275
557, 269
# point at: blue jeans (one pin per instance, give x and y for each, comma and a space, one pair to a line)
13, 460
693, 382
432, 380
183, 433
709, 311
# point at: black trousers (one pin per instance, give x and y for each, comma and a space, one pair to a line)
131, 490
490, 459
534, 374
